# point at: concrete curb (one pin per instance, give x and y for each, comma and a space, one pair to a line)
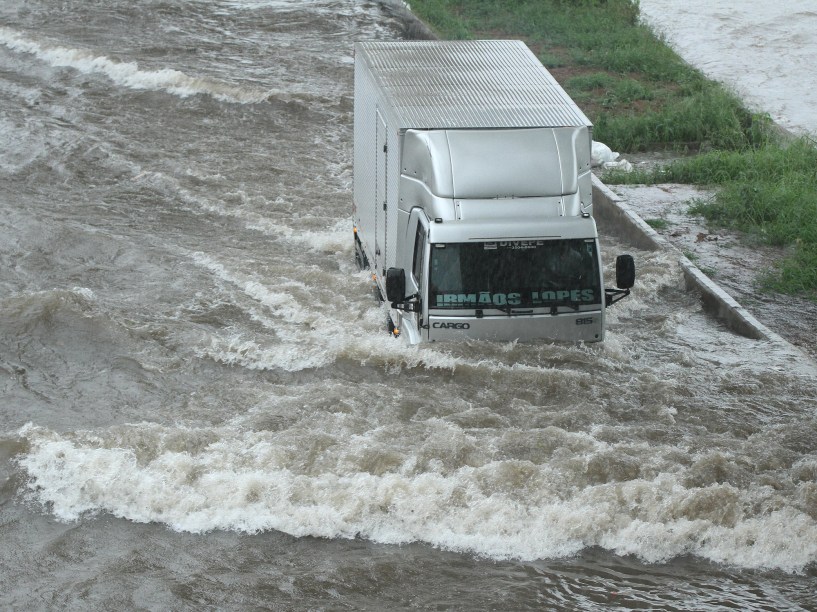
608, 208
413, 28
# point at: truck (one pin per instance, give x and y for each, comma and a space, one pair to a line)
472, 202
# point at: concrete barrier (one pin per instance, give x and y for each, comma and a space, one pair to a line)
609, 210
412, 27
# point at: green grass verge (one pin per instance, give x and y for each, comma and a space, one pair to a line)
642, 97
769, 193
657, 224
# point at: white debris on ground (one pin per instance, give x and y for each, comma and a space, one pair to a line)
603, 157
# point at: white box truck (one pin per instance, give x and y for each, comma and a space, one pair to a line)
472, 194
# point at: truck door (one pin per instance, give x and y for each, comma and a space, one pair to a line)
418, 228
381, 194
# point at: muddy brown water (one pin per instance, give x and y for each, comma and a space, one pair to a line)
200, 409
764, 51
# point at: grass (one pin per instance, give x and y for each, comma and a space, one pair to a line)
657, 224
642, 97
769, 193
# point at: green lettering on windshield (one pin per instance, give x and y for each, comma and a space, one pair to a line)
518, 274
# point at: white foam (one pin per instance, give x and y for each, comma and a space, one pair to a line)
246, 481
288, 356
295, 5
280, 301
129, 75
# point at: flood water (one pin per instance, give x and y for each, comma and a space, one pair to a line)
764, 51
201, 408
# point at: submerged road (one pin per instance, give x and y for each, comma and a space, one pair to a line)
764, 51
201, 409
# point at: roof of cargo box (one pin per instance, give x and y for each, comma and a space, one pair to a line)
469, 84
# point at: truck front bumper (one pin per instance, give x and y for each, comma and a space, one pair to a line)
583, 326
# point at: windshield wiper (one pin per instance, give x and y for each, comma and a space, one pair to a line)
554, 305
508, 310
529, 308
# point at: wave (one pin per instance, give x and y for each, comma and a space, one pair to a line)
41, 306
331, 239
227, 479
129, 75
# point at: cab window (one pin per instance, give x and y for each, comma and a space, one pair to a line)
419, 250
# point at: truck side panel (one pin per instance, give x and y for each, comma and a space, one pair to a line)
365, 158
376, 163
381, 192
574, 150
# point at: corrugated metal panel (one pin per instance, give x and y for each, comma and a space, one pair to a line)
469, 84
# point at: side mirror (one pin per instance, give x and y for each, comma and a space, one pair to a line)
395, 285
625, 272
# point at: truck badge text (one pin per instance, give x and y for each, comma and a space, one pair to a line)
451, 325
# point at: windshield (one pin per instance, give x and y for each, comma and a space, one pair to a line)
521, 274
